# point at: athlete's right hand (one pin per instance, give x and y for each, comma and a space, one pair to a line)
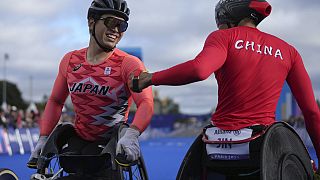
32, 163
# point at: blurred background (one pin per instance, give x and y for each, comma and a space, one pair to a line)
35, 35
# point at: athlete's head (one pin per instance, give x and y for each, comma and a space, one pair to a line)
231, 12
108, 20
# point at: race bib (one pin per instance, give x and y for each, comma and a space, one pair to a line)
228, 151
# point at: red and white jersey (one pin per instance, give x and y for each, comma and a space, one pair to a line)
250, 67
99, 93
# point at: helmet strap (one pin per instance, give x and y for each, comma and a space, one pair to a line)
99, 44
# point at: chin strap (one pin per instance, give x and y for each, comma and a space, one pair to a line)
99, 44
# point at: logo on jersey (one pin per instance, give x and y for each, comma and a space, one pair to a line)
258, 48
77, 67
107, 71
89, 88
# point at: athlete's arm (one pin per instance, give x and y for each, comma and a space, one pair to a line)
60, 92
143, 100
210, 59
301, 87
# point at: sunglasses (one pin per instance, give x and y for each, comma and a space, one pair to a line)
112, 23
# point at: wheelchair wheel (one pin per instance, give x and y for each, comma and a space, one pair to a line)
51, 171
134, 172
284, 155
7, 174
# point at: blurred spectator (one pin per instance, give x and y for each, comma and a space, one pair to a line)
21, 119
31, 119
3, 120
12, 117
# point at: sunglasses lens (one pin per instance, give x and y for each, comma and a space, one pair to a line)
111, 23
123, 26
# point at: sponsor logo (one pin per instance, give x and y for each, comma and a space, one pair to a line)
107, 71
237, 132
77, 67
220, 131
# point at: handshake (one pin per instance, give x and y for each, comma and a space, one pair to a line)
139, 80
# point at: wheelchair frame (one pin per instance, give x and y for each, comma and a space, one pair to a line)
197, 154
51, 151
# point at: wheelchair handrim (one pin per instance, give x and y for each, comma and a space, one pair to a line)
8, 174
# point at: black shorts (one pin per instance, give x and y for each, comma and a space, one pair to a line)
81, 157
77, 145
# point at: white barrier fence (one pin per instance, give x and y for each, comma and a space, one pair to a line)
18, 141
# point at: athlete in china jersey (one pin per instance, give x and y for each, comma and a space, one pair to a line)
99, 94
250, 67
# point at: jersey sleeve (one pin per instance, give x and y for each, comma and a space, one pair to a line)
60, 92
143, 100
210, 59
301, 87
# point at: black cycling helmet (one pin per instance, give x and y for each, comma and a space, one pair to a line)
116, 7
233, 11
98, 8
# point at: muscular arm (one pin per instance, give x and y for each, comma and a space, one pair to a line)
210, 59
53, 109
143, 100
301, 88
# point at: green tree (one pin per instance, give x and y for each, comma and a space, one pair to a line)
14, 97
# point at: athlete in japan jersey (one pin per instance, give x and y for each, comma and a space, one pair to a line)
99, 94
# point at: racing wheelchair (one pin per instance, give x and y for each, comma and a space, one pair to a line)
275, 152
53, 163
7, 174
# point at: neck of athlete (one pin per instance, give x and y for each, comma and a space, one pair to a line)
247, 22
96, 55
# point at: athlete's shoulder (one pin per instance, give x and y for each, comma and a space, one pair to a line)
72, 57
219, 34
219, 38
281, 42
75, 55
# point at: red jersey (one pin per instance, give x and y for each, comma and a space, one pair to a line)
99, 93
250, 67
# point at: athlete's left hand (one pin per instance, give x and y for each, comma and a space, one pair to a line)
129, 143
142, 80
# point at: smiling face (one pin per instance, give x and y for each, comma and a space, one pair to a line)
108, 30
